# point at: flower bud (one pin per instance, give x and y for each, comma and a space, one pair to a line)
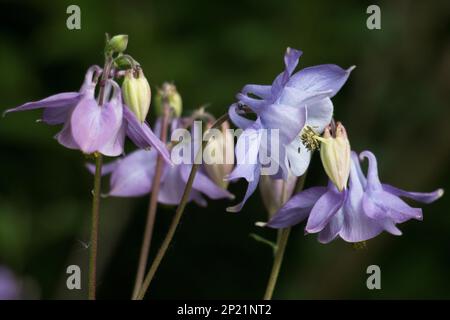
275, 192
136, 93
335, 155
168, 93
222, 146
118, 43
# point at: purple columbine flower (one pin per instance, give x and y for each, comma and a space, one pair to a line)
93, 128
133, 175
356, 214
291, 103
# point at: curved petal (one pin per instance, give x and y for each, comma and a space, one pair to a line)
319, 114
142, 135
287, 119
252, 185
133, 175
262, 91
203, 184
172, 186
298, 156
93, 126
237, 119
326, 77
291, 58
425, 197
60, 100
334, 226
324, 209
297, 208
114, 147
65, 138
53, 116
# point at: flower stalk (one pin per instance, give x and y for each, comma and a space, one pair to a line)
177, 217
153, 204
282, 240
92, 281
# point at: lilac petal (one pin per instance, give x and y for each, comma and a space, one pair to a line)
142, 135
93, 126
324, 209
297, 208
334, 226
133, 175
114, 147
237, 119
320, 78
53, 116
298, 156
359, 173
285, 118
379, 204
291, 58
65, 137
246, 150
262, 91
319, 114
425, 197
196, 196
257, 105
60, 100
357, 226
172, 186
252, 185
203, 184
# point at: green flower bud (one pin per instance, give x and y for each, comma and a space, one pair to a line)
118, 43
220, 155
168, 93
136, 93
335, 155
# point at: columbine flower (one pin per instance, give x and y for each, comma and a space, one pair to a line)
93, 128
356, 214
133, 175
293, 102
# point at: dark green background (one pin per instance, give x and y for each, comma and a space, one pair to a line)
396, 103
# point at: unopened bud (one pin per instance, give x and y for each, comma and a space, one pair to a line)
136, 93
118, 43
168, 94
275, 192
221, 150
335, 155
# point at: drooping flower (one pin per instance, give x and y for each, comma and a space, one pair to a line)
292, 103
133, 175
356, 214
89, 127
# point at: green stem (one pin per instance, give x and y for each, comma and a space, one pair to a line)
94, 227
282, 240
281, 247
177, 217
153, 204
92, 281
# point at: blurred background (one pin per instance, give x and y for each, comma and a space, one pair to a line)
396, 103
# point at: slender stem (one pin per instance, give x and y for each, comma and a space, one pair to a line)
94, 227
281, 247
282, 240
153, 204
92, 281
177, 217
